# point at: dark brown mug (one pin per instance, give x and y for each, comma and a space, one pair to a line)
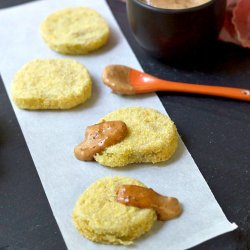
175, 34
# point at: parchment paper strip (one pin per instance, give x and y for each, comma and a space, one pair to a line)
52, 135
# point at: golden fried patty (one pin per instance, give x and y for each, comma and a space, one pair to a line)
75, 31
152, 137
100, 218
51, 84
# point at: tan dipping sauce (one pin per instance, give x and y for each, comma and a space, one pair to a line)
175, 4
117, 78
166, 207
98, 137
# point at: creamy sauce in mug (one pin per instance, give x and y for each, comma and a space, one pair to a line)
175, 4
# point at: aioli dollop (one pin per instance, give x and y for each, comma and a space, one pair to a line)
98, 137
166, 207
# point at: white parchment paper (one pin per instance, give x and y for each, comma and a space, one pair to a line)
52, 135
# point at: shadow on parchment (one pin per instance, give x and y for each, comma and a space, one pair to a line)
112, 43
95, 93
155, 229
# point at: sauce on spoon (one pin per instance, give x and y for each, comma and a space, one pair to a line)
117, 78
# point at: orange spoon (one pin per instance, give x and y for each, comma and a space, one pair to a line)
127, 81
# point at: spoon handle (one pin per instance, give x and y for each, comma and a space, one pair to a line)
144, 83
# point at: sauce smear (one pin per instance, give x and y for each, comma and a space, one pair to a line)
166, 207
98, 137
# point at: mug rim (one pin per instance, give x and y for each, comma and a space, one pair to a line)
162, 10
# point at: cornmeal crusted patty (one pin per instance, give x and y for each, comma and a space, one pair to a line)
101, 219
75, 31
51, 84
152, 137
